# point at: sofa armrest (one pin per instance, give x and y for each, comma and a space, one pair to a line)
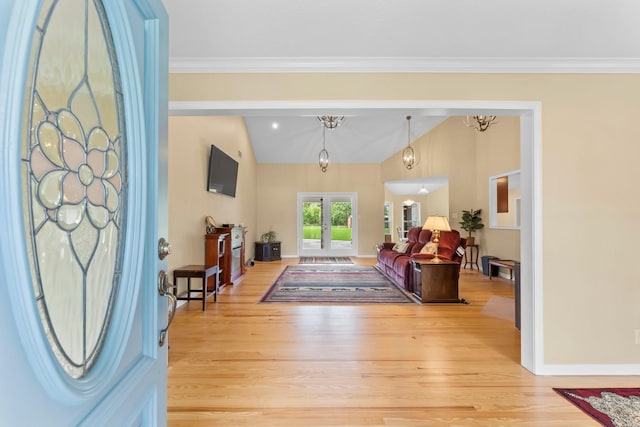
386, 245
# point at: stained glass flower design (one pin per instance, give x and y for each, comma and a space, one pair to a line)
77, 173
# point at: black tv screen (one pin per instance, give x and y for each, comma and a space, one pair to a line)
223, 173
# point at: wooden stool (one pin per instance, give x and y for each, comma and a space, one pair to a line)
201, 272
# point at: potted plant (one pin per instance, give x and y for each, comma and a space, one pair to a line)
471, 222
269, 236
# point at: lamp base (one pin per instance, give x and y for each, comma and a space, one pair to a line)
436, 260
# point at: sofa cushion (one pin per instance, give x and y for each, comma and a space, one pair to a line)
401, 247
428, 248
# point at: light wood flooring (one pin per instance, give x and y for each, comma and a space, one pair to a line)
241, 363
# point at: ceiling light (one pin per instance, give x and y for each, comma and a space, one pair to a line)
423, 190
323, 156
479, 123
274, 125
408, 155
331, 122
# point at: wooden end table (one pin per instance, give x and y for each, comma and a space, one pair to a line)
436, 282
471, 260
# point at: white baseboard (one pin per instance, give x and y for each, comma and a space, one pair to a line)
590, 370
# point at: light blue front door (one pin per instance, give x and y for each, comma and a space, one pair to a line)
83, 118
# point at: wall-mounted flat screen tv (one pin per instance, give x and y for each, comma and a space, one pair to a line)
223, 173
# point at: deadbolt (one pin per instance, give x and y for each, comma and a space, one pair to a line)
164, 248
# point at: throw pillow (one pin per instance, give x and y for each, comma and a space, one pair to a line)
400, 247
428, 248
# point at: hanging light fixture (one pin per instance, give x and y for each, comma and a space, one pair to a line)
479, 123
408, 155
331, 122
423, 190
323, 156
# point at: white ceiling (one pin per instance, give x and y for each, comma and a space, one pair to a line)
395, 36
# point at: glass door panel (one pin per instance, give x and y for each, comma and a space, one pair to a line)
326, 224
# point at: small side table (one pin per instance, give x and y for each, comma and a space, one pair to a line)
471, 260
200, 272
436, 282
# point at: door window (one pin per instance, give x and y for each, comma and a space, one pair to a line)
73, 172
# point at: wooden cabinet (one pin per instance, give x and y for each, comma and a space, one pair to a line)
267, 251
436, 282
217, 252
225, 248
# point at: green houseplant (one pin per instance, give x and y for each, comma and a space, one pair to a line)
471, 221
269, 236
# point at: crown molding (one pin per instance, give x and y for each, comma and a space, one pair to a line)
403, 65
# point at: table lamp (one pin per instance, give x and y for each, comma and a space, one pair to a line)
436, 224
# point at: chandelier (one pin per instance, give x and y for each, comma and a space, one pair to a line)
408, 155
331, 122
479, 123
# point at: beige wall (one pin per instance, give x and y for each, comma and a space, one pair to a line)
497, 151
589, 150
279, 184
190, 140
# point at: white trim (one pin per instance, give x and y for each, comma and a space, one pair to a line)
532, 332
590, 370
530, 113
403, 65
315, 107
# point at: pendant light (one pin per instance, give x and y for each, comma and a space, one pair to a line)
323, 156
408, 155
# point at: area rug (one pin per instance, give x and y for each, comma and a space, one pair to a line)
325, 260
611, 407
335, 284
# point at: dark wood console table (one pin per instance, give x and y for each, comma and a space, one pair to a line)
436, 282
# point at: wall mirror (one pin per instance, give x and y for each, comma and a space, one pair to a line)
504, 200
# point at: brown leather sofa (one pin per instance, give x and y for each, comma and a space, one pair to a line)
397, 263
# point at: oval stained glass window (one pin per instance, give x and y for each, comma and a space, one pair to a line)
74, 179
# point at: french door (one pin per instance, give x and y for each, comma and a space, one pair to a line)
327, 224
83, 117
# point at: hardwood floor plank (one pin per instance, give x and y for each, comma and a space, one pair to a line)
242, 363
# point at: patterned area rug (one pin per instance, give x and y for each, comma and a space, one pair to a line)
611, 407
325, 260
356, 284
